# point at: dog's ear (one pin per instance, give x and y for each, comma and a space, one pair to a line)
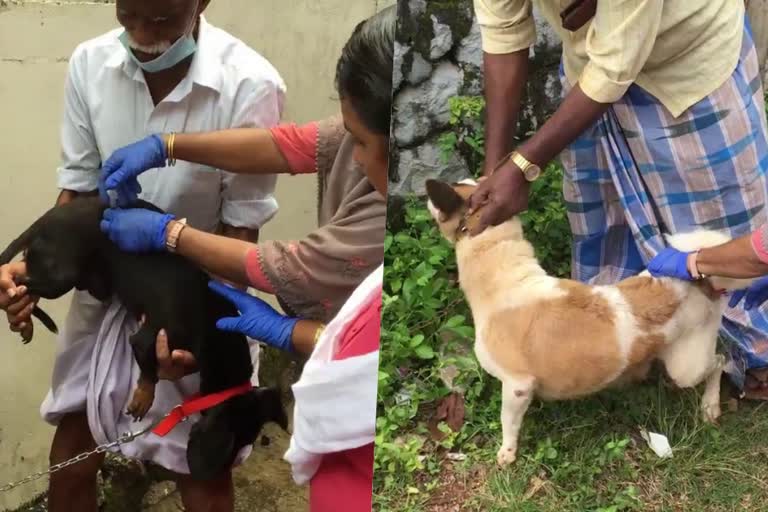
444, 197
18, 245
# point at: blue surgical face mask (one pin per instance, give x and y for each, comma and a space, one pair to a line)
180, 50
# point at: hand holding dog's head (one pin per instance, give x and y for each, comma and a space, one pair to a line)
449, 204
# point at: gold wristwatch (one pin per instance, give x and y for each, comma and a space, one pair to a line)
530, 170
173, 235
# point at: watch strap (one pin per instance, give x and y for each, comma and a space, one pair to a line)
173, 236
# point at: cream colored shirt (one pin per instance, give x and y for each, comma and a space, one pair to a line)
678, 50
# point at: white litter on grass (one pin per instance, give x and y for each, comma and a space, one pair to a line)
658, 443
457, 456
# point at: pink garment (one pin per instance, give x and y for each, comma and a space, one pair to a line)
344, 480
759, 241
256, 275
298, 145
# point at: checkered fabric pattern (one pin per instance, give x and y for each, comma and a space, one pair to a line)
639, 173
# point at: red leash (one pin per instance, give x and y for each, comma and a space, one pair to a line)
195, 404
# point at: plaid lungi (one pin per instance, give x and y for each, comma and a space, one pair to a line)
639, 173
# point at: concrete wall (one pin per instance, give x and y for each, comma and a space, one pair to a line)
302, 38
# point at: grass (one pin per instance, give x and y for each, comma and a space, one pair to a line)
588, 455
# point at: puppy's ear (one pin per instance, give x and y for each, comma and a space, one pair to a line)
18, 245
444, 197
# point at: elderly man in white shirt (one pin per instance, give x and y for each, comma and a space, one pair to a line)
165, 70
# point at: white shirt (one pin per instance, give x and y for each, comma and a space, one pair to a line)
107, 106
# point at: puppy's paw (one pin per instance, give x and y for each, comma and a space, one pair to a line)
711, 411
141, 401
506, 455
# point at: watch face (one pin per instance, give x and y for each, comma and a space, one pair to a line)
532, 172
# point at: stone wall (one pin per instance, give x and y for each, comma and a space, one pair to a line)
438, 56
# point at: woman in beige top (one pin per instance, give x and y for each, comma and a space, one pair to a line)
661, 130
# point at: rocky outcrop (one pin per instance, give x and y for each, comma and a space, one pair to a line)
438, 56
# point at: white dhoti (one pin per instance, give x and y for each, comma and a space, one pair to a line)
95, 372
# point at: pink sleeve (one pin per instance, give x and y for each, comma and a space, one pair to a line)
759, 241
298, 144
255, 274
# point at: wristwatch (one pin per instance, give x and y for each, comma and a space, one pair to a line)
531, 171
173, 235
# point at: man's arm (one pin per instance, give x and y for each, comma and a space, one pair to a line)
508, 31
505, 79
78, 173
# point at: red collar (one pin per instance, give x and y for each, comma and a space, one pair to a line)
195, 404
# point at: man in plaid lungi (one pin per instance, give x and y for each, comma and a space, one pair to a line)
662, 129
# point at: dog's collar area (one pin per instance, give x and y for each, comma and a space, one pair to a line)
462, 230
196, 404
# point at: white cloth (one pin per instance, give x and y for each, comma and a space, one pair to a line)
335, 406
107, 106
112, 379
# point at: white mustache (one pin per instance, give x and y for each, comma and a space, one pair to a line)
153, 49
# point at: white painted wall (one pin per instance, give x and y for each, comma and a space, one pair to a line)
302, 38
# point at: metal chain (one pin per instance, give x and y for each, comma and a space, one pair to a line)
125, 438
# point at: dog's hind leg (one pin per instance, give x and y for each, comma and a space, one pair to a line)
693, 359
516, 396
143, 345
710, 400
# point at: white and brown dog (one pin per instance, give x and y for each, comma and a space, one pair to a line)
562, 339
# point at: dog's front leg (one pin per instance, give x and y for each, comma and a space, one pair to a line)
143, 345
710, 400
516, 396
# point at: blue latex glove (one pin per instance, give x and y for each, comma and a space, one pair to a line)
136, 229
670, 263
125, 193
257, 319
122, 168
755, 295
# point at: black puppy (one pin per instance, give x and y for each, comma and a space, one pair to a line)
65, 249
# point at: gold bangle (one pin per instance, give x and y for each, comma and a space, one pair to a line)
171, 158
318, 332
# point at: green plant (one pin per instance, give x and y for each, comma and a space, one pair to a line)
427, 335
467, 134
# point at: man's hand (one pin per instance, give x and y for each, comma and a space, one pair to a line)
172, 365
502, 196
14, 299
